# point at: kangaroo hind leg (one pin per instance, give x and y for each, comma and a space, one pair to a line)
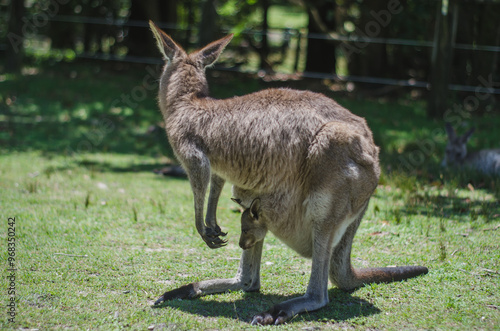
344, 276
316, 295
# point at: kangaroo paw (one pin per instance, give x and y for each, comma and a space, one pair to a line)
219, 232
214, 242
273, 316
212, 237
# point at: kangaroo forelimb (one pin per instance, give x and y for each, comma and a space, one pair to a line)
216, 185
197, 167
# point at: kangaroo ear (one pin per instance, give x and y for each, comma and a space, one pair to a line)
165, 44
465, 138
450, 131
255, 208
210, 53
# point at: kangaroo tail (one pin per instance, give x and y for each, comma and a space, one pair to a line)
351, 278
346, 277
388, 274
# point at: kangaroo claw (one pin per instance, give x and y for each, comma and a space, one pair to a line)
214, 242
212, 237
273, 316
218, 231
263, 319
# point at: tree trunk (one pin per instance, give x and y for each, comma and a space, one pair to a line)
321, 52
15, 38
264, 51
442, 55
190, 8
484, 63
167, 12
208, 31
62, 34
370, 59
139, 41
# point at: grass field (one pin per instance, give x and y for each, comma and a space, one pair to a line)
99, 236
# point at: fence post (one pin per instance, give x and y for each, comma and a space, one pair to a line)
15, 37
442, 56
297, 51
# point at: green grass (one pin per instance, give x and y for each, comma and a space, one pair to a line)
99, 236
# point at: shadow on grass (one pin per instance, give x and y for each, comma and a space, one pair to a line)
446, 206
343, 306
110, 167
166, 170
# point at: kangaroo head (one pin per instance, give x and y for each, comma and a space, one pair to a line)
456, 148
253, 229
186, 71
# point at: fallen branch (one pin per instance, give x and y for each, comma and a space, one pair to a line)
491, 271
493, 229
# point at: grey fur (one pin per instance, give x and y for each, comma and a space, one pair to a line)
311, 164
456, 154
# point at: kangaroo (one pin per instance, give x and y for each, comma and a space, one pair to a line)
312, 163
253, 229
456, 154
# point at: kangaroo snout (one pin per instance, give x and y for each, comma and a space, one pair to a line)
246, 243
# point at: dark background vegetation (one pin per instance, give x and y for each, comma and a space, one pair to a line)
80, 76
72, 29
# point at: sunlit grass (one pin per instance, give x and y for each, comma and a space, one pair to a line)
99, 236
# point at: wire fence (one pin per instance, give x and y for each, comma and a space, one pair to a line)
275, 31
298, 34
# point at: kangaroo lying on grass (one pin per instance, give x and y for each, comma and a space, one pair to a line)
486, 160
312, 163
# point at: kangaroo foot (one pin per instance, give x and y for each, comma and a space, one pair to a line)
284, 311
274, 316
212, 237
184, 292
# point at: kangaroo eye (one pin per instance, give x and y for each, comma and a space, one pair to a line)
245, 231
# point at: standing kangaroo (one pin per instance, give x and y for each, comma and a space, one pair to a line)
456, 154
312, 163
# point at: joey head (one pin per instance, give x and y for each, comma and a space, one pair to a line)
253, 229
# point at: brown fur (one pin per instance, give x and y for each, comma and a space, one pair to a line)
310, 163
